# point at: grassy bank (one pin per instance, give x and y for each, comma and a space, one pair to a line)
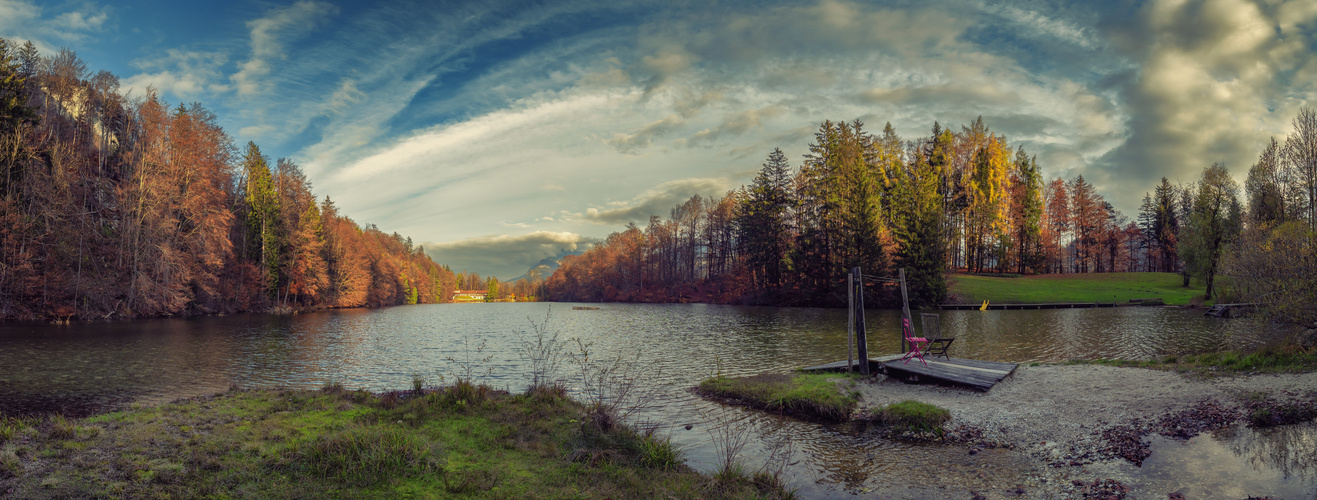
461, 441
814, 395
913, 416
1092, 287
1267, 361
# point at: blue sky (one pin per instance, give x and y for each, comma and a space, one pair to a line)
501, 133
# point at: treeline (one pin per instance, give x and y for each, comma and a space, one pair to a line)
528, 289
118, 207
961, 201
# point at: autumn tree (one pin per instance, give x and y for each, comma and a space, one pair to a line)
1057, 216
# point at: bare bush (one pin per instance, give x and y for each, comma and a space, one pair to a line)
544, 354
729, 431
610, 387
470, 364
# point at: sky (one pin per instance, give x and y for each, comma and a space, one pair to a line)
497, 134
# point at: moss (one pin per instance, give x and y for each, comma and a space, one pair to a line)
913, 416
812, 394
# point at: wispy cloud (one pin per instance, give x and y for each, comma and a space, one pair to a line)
267, 40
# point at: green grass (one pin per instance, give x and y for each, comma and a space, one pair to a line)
1284, 360
913, 416
465, 441
1091, 287
813, 394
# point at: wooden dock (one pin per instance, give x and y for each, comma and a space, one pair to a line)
1231, 310
981, 375
1057, 305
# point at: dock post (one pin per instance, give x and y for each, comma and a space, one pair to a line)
905, 313
850, 323
861, 340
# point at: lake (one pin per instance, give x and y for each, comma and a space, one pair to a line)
83, 368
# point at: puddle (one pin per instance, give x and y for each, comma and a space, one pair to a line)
1233, 463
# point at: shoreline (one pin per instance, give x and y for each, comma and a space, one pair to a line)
1069, 420
462, 440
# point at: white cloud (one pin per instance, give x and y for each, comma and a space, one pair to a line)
25, 21
1216, 81
185, 74
81, 20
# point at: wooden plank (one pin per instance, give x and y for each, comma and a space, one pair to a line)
981, 378
835, 365
972, 372
977, 363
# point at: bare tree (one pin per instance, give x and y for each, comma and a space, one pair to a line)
1300, 155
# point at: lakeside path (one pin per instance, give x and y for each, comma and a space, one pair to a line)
1056, 413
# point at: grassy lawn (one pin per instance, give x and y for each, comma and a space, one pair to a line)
813, 394
455, 442
1092, 287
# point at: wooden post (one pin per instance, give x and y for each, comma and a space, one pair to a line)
905, 313
850, 322
861, 340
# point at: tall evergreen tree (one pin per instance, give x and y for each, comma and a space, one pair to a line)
262, 204
763, 220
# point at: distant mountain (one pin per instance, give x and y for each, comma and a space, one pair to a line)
545, 267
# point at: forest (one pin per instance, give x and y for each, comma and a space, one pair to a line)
960, 202
113, 206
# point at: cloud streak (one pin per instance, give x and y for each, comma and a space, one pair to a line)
267, 40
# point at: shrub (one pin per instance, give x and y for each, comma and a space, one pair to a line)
364, 456
62, 428
659, 453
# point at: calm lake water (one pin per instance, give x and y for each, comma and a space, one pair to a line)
83, 368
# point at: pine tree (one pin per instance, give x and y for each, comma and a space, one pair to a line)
262, 203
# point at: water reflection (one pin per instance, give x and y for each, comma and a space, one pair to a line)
1234, 463
1292, 449
78, 368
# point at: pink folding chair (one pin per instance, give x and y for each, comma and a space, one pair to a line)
916, 343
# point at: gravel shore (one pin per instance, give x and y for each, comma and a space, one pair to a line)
1055, 414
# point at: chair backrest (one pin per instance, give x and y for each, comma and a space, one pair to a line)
930, 323
907, 330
